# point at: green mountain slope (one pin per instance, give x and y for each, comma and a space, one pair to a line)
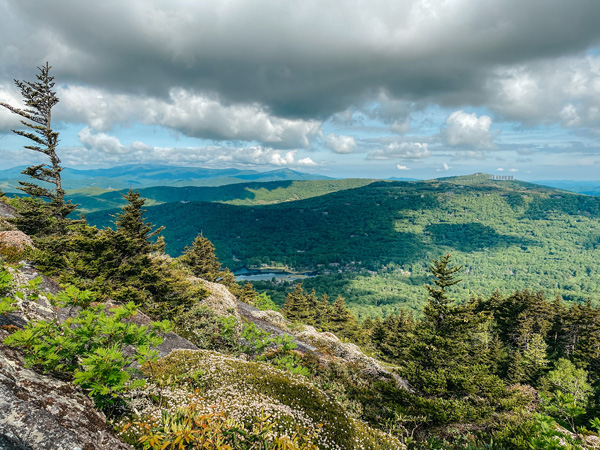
508, 235
254, 193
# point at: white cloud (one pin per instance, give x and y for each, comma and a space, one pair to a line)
8, 120
445, 168
500, 169
564, 90
192, 114
340, 143
401, 167
101, 148
467, 131
407, 150
101, 142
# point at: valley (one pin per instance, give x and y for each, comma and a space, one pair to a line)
372, 243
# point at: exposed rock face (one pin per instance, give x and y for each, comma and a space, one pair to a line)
39, 412
6, 212
171, 340
328, 343
16, 239
220, 300
271, 321
308, 339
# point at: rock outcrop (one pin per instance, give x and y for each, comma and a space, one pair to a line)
220, 300
39, 412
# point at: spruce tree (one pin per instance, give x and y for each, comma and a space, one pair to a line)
132, 228
296, 305
437, 308
343, 323
323, 312
247, 294
201, 259
46, 210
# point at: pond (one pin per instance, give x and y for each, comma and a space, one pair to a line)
268, 274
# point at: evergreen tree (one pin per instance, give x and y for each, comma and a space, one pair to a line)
323, 312
343, 323
133, 228
517, 372
248, 294
296, 306
45, 211
535, 357
437, 308
201, 259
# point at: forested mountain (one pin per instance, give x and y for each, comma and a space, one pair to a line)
375, 241
145, 175
254, 193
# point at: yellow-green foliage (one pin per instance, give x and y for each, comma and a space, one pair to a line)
188, 428
11, 254
245, 390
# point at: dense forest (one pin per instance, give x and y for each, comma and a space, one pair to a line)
373, 243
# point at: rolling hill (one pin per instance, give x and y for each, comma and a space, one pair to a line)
242, 193
138, 176
374, 242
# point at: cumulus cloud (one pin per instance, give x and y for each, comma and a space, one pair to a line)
401, 167
192, 114
563, 90
230, 72
406, 150
467, 131
340, 143
101, 148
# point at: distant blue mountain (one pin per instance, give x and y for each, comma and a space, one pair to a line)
581, 187
148, 175
402, 179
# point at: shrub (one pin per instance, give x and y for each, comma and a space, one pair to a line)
89, 346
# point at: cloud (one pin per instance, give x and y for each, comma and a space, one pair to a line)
563, 90
401, 167
469, 154
445, 168
101, 148
406, 150
246, 56
340, 143
101, 142
194, 115
10, 95
400, 127
467, 131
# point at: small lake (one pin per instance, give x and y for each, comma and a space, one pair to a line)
266, 275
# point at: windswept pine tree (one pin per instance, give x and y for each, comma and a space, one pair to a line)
45, 211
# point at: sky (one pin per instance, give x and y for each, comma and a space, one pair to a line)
353, 88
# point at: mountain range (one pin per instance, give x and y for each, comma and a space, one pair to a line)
138, 176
